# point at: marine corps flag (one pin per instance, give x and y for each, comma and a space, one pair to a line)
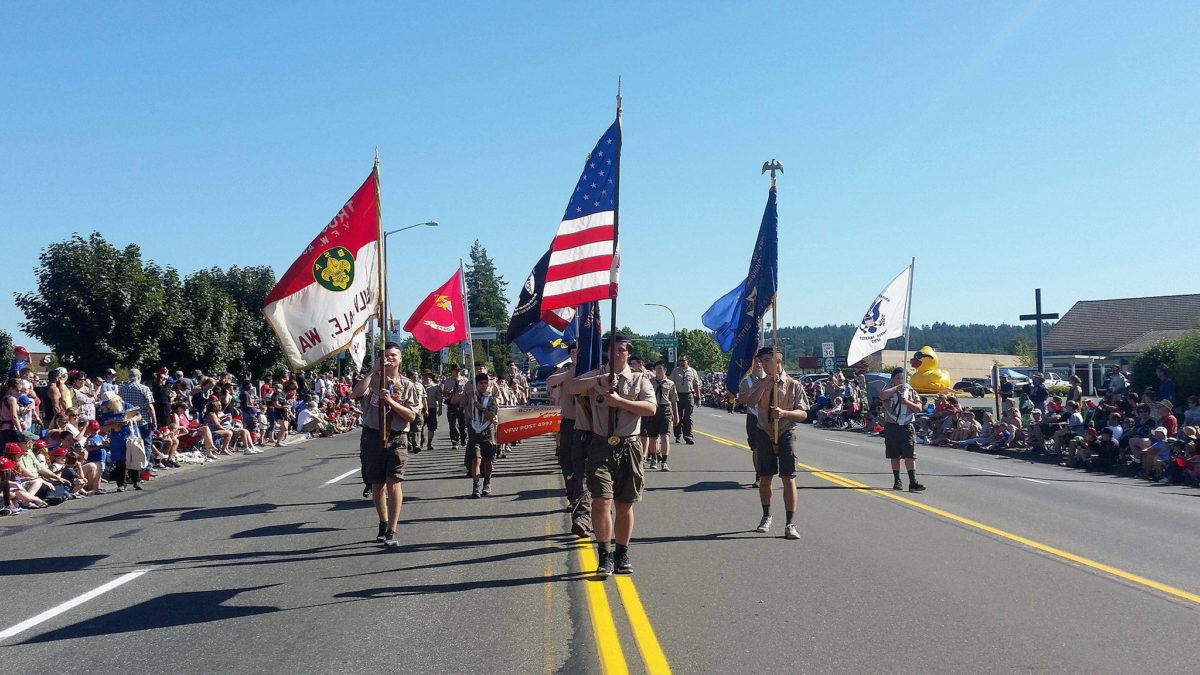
440, 320
330, 292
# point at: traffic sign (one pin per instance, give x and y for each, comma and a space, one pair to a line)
830, 364
670, 355
660, 342
827, 350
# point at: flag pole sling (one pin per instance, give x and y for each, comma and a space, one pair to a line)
907, 314
383, 420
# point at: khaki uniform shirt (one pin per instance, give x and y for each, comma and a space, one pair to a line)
433, 394
566, 402
453, 386
404, 392
476, 420
520, 385
630, 387
686, 380
421, 397
789, 396
664, 391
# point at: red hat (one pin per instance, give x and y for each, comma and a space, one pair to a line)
237, 417
213, 398
93, 425
163, 370
39, 444
7, 465
13, 449
58, 452
20, 350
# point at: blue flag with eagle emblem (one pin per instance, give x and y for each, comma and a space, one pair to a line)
757, 296
545, 343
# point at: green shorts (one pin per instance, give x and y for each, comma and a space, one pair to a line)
615, 471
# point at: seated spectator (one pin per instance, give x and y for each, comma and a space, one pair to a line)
826, 415
1137, 436
1155, 455
222, 435
983, 431
1166, 418
312, 422
15, 493
1073, 427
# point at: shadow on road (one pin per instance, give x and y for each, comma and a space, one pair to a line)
68, 563
172, 609
281, 531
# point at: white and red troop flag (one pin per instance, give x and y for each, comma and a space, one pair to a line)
584, 258
440, 320
330, 293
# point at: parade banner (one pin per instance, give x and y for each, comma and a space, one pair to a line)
330, 292
517, 423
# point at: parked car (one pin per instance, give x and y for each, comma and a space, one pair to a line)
537, 385
975, 386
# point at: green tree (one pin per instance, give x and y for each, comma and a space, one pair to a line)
6, 347
487, 302
1019, 344
95, 305
1186, 368
202, 337
702, 350
1144, 364
253, 346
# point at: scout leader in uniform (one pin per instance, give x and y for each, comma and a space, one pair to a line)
614, 454
778, 397
455, 385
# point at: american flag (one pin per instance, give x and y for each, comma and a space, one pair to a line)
584, 255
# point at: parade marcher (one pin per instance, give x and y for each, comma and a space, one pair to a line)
571, 450
433, 403
483, 411
614, 454
781, 398
455, 385
752, 430
899, 438
520, 383
416, 430
687, 387
383, 463
658, 431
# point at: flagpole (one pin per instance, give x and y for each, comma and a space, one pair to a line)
907, 314
383, 420
775, 331
612, 328
462, 283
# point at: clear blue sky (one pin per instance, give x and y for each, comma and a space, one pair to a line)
1006, 145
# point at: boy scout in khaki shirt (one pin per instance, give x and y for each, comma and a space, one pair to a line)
614, 453
789, 405
455, 385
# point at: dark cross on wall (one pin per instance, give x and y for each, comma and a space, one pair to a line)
1039, 317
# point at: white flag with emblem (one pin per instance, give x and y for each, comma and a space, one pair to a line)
883, 321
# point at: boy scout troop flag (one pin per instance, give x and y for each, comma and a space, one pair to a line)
439, 321
584, 257
883, 321
330, 292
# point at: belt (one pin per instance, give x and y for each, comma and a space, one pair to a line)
621, 439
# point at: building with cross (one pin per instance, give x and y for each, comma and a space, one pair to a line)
1104, 332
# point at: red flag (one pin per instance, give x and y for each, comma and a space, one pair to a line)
439, 320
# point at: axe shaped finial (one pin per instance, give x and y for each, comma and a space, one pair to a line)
772, 166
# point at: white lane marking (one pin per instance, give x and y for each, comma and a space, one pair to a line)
70, 604
834, 440
1031, 480
334, 480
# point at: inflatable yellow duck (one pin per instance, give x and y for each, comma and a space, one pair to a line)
928, 379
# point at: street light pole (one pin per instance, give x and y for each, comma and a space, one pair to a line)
673, 334
387, 299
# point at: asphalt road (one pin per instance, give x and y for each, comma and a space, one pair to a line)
267, 564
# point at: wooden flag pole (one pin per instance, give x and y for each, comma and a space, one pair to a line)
382, 268
774, 166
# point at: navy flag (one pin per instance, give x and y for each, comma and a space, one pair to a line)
721, 317
757, 297
545, 343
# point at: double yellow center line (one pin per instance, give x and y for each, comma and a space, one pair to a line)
1170, 591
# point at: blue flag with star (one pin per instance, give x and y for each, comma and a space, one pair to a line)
757, 296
